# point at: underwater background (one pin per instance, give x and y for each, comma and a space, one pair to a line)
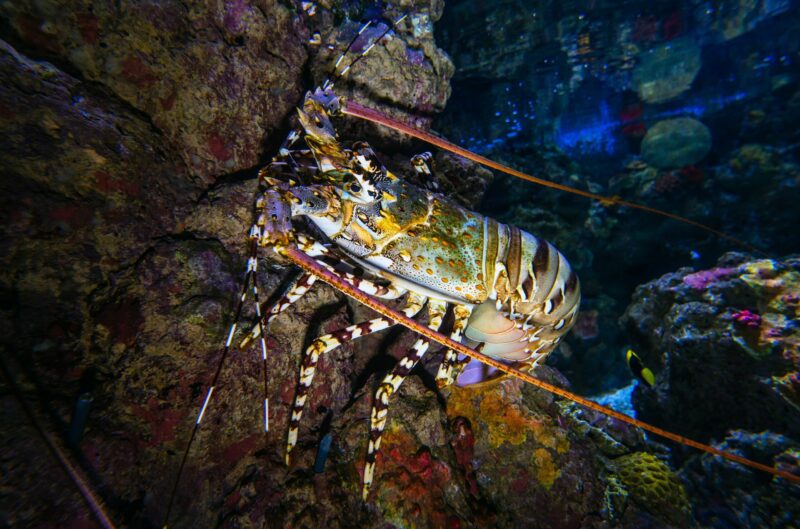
132, 135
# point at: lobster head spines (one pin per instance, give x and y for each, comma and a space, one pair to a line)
328, 100
320, 136
315, 116
274, 220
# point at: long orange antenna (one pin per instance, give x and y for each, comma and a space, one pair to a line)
360, 111
309, 265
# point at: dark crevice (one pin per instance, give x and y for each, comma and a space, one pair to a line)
280, 58
226, 180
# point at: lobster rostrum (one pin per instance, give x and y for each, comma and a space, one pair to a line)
513, 295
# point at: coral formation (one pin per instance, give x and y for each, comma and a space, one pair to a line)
700, 329
730, 334
724, 494
674, 143
528, 454
652, 484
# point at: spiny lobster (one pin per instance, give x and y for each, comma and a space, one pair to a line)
513, 295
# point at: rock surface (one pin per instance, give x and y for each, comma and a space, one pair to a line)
728, 495
724, 345
730, 332
214, 79
675, 143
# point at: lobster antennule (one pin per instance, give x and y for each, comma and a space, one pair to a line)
362, 112
339, 74
309, 265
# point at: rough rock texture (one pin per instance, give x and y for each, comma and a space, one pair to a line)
753, 500
214, 79
723, 344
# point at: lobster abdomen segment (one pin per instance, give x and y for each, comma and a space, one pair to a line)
535, 291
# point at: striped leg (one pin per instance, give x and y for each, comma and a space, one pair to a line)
305, 281
294, 292
422, 164
328, 259
327, 343
389, 385
448, 369
303, 284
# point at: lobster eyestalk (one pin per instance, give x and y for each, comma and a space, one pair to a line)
311, 266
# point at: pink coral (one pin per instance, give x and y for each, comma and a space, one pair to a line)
747, 318
703, 278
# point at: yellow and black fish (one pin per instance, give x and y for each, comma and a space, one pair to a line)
637, 367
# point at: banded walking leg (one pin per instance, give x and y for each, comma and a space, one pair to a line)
423, 164
389, 385
448, 370
302, 285
327, 343
325, 257
294, 292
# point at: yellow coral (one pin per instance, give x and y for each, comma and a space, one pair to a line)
497, 406
652, 484
546, 471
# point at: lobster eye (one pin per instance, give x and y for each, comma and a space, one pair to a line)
355, 188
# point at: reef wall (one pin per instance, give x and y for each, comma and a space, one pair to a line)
132, 136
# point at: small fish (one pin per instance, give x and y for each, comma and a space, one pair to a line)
694, 255
637, 367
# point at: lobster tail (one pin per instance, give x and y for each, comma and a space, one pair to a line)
536, 295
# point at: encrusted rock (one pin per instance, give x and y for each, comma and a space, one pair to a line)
724, 490
667, 70
676, 142
216, 79
714, 369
